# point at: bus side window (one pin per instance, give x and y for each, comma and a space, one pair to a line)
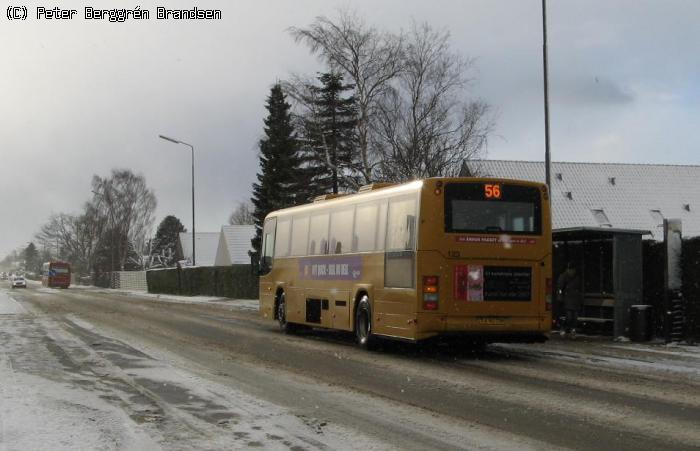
381, 225
341, 229
282, 238
300, 235
366, 230
399, 258
411, 230
318, 233
401, 228
268, 245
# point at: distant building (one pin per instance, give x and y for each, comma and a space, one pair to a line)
610, 195
234, 244
227, 247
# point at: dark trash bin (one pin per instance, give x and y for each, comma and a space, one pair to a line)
640, 323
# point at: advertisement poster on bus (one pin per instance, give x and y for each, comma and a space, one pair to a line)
469, 283
331, 268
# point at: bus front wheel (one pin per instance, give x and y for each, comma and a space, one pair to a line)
363, 324
285, 327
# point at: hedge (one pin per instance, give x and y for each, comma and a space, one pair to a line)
236, 281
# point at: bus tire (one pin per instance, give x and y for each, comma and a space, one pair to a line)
286, 327
363, 324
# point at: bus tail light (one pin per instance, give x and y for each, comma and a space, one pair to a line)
430, 292
548, 294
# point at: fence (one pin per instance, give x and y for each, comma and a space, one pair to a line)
123, 280
129, 280
235, 281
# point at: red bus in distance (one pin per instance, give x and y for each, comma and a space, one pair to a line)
55, 274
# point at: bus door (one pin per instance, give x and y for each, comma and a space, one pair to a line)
267, 293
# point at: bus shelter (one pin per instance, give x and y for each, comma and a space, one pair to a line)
609, 261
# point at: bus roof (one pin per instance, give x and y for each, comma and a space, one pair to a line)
383, 191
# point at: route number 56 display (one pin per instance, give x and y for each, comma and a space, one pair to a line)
492, 191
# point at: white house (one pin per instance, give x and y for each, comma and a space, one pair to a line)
610, 195
227, 247
234, 244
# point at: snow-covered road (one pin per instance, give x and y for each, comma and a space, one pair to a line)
70, 388
95, 369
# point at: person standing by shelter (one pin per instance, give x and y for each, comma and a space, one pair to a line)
570, 290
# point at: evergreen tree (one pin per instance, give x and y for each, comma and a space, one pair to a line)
330, 132
45, 255
31, 259
165, 241
279, 178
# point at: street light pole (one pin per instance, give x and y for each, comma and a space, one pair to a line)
547, 162
177, 141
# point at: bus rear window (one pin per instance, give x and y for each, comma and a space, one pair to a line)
492, 208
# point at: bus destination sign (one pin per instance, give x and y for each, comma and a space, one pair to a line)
501, 239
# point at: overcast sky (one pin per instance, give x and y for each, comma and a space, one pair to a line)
80, 98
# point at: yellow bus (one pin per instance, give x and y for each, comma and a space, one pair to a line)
440, 256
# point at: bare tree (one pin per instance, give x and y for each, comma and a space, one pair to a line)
242, 214
58, 234
128, 204
369, 59
425, 126
72, 237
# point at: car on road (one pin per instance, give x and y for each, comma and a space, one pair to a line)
18, 282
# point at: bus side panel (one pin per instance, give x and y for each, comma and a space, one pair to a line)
267, 298
295, 297
340, 309
395, 312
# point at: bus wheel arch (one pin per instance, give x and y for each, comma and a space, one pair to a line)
281, 315
279, 294
363, 321
359, 294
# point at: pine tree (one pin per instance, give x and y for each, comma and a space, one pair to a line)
31, 259
330, 131
279, 177
165, 241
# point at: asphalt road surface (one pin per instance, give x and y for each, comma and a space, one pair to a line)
246, 384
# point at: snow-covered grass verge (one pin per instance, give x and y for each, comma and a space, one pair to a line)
240, 304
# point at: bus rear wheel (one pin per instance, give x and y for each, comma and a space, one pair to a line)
363, 324
285, 326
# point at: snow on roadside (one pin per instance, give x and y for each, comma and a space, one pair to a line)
38, 412
67, 386
674, 350
226, 417
9, 306
240, 304
255, 416
687, 367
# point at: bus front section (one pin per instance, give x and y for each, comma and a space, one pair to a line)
484, 260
